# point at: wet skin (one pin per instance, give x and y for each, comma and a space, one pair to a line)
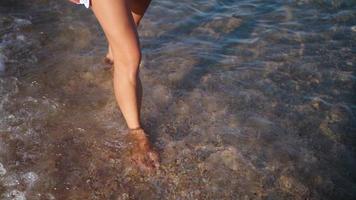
142, 153
138, 9
119, 20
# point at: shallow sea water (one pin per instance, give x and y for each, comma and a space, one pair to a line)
244, 99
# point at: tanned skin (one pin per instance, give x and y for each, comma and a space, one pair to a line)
119, 20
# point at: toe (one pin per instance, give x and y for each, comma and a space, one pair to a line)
154, 158
142, 163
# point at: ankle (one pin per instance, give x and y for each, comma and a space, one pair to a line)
138, 134
135, 129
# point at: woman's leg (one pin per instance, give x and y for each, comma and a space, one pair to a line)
119, 27
116, 20
138, 9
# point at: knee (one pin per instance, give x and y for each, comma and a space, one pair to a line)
128, 63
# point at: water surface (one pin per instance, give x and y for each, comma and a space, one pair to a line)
244, 99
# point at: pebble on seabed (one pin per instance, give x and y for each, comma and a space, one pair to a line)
22, 22
15, 195
30, 178
2, 170
10, 180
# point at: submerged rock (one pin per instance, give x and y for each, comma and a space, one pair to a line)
14, 195
2, 170
30, 178
10, 180
230, 158
291, 185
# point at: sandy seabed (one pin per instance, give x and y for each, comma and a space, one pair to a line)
244, 100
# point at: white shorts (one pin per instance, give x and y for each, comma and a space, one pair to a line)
85, 2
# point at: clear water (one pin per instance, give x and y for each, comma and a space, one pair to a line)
245, 99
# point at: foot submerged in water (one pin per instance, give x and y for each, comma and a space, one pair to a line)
108, 60
142, 153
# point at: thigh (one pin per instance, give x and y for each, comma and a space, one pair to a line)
139, 7
116, 20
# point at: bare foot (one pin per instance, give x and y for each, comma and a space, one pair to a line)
142, 153
108, 60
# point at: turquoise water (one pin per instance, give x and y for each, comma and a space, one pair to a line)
244, 99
